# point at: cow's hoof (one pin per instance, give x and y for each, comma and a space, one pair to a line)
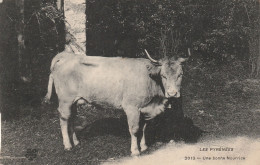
144, 147
76, 142
135, 153
45, 101
67, 148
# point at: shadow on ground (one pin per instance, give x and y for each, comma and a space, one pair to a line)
106, 126
171, 125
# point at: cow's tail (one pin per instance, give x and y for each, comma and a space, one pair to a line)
47, 98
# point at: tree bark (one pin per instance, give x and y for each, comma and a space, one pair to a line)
19, 27
24, 66
75, 36
20, 35
60, 5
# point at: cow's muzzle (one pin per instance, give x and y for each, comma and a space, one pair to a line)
173, 94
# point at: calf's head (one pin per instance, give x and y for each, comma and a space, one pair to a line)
170, 72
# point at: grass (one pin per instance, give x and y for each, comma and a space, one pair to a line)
213, 101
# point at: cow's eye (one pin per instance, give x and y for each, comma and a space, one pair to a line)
180, 75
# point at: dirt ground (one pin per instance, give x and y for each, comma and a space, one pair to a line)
231, 151
217, 104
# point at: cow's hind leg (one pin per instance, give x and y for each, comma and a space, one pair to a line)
133, 117
143, 141
65, 112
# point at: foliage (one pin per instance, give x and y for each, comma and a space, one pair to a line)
216, 29
47, 24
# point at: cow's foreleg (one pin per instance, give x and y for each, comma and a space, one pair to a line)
143, 142
133, 117
65, 112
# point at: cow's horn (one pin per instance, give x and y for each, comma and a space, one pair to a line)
150, 58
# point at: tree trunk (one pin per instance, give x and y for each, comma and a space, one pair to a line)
19, 27
60, 5
23, 62
75, 22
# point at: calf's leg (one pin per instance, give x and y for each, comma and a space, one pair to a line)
143, 142
133, 117
72, 131
72, 124
75, 139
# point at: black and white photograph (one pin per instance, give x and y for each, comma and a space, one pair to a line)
130, 82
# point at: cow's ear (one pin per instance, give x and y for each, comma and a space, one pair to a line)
154, 71
181, 60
